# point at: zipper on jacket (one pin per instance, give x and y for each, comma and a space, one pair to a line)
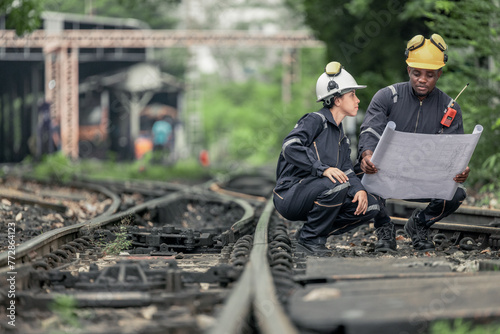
338, 151
317, 153
418, 116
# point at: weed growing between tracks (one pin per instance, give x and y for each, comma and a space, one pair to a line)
64, 307
121, 241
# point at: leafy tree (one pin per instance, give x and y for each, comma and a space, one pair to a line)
247, 121
156, 13
23, 16
368, 37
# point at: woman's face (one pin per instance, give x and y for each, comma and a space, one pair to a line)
349, 102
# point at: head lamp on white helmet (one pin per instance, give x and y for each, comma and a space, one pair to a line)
335, 81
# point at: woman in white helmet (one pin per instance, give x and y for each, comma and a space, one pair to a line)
316, 182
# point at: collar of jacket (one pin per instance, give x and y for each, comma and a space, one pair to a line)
328, 114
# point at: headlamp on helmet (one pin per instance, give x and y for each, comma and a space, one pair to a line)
335, 81
426, 53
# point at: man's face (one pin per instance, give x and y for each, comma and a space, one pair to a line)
423, 81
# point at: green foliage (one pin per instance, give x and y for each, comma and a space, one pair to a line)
65, 306
247, 121
55, 167
144, 169
368, 37
58, 167
156, 13
23, 16
121, 241
460, 326
173, 61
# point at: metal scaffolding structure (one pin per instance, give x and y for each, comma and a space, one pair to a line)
61, 53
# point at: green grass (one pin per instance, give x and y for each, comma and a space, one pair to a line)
59, 168
64, 306
460, 326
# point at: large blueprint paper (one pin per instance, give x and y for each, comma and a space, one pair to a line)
416, 165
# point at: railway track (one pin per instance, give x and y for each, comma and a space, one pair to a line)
36, 208
465, 214
469, 227
217, 258
198, 237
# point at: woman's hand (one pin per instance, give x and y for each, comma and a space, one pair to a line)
335, 174
362, 198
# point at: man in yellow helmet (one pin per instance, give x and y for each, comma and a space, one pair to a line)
415, 106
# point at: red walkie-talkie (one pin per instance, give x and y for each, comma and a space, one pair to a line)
449, 114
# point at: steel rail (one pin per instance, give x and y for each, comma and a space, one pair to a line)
51, 240
240, 226
235, 314
141, 185
255, 187
455, 227
254, 293
464, 214
22, 197
217, 188
267, 308
461, 234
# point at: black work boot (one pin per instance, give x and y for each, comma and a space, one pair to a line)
386, 235
312, 249
418, 232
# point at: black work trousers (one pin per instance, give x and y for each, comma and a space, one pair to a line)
434, 212
326, 207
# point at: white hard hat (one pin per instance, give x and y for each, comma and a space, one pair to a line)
335, 80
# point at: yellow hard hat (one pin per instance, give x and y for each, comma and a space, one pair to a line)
426, 53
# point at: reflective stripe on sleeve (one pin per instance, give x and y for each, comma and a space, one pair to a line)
323, 118
371, 131
291, 141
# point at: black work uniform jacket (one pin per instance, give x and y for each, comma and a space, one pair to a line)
315, 144
409, 113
